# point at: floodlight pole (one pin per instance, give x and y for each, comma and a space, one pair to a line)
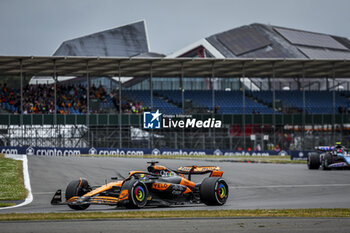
88, 100
274, 104
120, 106
243, 102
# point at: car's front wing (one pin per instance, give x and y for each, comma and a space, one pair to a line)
96, 200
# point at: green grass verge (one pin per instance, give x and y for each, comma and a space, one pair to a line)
6, 204
260, 159
314, 213
11, 180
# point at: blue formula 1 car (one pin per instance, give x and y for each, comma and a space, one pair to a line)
329, 157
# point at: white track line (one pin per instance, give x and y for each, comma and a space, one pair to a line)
26, 178
289, 186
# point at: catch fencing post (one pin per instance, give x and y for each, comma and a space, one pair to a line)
150, 134
21, 119
120, 106
243, 102
274, 104
334, 106
55, 102
213, 101
304, 110
182, 101
88, 101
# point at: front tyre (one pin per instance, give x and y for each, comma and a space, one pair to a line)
138, 194
77, 188
213, 191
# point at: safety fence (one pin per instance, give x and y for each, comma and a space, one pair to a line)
64, 151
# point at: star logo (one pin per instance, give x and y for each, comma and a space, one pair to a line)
156, 115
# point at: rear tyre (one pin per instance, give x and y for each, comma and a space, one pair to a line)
313, 160
138, 194
77, 188
326, 161
213, 191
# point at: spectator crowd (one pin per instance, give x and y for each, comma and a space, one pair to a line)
71, 99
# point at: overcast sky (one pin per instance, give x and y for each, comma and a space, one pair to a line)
38, 27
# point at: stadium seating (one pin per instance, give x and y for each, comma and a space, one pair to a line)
229, 102
145, 98
170, 101
316, 102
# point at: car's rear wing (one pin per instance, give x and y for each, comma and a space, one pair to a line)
330, 148
199, 170
324, 148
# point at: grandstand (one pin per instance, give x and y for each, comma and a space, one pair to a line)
273, 87
72, 100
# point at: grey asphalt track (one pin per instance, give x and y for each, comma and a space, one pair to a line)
252, 186
278, 225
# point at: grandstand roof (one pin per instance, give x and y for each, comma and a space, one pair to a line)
124, 41
171, 67
267, 41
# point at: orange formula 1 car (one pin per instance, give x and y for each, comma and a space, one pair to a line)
159, 186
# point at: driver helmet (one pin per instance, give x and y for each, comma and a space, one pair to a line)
338, 149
